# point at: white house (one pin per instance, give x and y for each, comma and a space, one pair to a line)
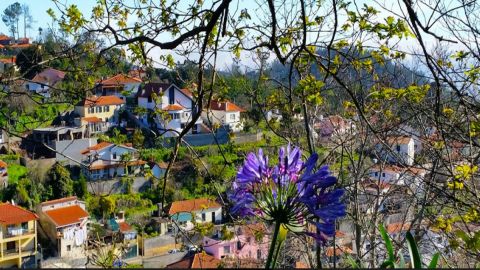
118, 85
224, 113
65, 223
178, 105
397, 175
43, 81
107, 160
203, 210
398, 149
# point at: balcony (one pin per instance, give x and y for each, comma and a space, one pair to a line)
18, 232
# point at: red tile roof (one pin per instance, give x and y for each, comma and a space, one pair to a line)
5, 37
187, 92
398, 140
67, 215
125, 227
96, 147
92, 119
227, 106
3, 164
151, 88
192, 205
12, 214
10, 60
62, 200
102, 100
50, 76
173, 107
398, 227
197, 261
21, 46
120, 79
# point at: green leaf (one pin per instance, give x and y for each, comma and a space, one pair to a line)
433, 263
387, 263
352, 261
388, 243
414, 254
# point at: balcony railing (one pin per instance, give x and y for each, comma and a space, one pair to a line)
18, 232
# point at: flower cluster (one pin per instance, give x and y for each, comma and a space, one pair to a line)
290, 193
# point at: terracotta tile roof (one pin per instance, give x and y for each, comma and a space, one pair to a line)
382, 185
1, 46
5, 37
398, 140
102, 100
120, 79
252, 229
62, 200
3, 164
10, 60
116, 165
192, 205
397, 169
12, 214
173, 107
67, 215
338, 251
92, 119
197, 261
20, 46
125, 227
96, 147
227, 106
398, 227
49, 76
151, 88
301, 265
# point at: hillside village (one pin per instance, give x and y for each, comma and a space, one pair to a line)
110, 159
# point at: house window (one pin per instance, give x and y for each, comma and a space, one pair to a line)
226, 250
376, 173
149, 99
69, 247
259, 254
91, 109
232, 116
176, 116
249, 239
11, 245
398, 148
204, 217
25, 225
98, 109
383, 174
106, 108
239, 245
114, 155
185, 114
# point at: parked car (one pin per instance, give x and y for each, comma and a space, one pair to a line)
173, 251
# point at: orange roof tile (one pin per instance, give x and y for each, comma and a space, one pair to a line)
102, 100
192, 205
92, 119
3, 164
124, 227
95, 147
301, 265
187, 92
12, 214
397, 169
197, 261
120, 79
398, 227
173, 107
338, 251
398, 140
227, 106
21, 46
67, 215
62, 200
5, 37
10, 60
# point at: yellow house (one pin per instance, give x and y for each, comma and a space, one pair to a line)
18, 237
98, 114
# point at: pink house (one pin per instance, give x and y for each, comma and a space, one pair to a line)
249, 241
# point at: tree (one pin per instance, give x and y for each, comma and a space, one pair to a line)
29, 61
138, 139
27, 19
11, 16
107, 204
58, 179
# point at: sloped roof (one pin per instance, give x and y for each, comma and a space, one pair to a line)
398, 139
192, 205
153, 87
9, 60
92, 119
187, 92
12, 214
338, 251
3, 164
96, 147
66, 215
125, 227
197, 261
398, 227
5, 37
227, 106
49, 76
61, 200
102, 100
120, 79
173, 107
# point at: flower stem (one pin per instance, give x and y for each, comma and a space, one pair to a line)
272, 247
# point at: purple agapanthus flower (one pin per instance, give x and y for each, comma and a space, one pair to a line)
290, 192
